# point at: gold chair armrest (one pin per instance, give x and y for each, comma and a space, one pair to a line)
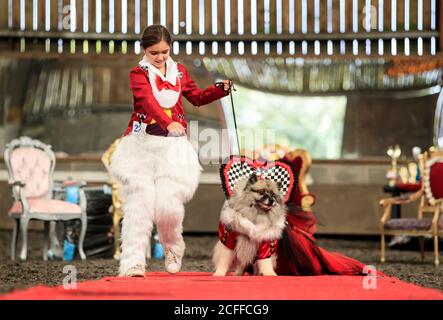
386, 214
307, 201
402, 200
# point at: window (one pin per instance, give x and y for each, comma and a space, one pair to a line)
312, 123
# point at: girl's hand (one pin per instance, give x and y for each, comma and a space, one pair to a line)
226, 85
176, 129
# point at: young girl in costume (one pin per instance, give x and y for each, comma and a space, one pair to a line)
156, 166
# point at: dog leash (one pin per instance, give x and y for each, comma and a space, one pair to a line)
232, 88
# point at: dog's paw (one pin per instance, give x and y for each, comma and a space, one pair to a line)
270, 274
218, 274
244, 226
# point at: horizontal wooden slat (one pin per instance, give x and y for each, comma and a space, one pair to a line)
223, 37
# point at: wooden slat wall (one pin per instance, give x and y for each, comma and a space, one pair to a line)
28, 14
234, 17
272, 16
208, 17
157, 12
427, 15
169, 13
220, 11
181, 16
310, 17
400, 15
3, 14
79, 15
131, 16
335, 15
91, 15
16, 15
195, 16
222, 16
298, 16
323, 16
143, 15
247, 13
285, 16
40, 15
118, 16
348, 15
260, 20
53, 14
105, 15
62, 6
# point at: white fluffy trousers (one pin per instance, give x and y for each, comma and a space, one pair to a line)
157, 176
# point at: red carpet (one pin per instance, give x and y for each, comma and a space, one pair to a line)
202, 286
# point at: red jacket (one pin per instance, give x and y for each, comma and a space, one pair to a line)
146, 104
228, 237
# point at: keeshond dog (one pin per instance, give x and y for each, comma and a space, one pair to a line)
251, 219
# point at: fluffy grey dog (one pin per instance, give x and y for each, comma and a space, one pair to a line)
254, 214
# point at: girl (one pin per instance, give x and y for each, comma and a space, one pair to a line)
155, 165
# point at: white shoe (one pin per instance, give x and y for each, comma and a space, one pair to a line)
136, 271
173, 262
403, 239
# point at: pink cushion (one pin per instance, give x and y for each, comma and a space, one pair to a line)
436, 180
32, 166
47, 206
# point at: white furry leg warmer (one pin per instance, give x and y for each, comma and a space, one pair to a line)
137, 226
169, 214
177, 179
132, 165
157, 176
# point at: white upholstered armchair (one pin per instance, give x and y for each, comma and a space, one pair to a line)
30, 165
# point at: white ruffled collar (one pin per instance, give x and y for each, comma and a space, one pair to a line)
171, 70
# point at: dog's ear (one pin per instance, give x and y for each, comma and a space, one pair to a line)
252, 179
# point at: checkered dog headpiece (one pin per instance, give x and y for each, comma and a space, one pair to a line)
280, 171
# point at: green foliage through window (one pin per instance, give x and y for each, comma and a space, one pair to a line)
313, 123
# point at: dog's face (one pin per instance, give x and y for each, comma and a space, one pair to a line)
262, 194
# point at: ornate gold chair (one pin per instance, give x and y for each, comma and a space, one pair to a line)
430, 199
302, 161
117, 213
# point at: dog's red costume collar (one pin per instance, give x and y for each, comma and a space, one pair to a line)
229, 237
